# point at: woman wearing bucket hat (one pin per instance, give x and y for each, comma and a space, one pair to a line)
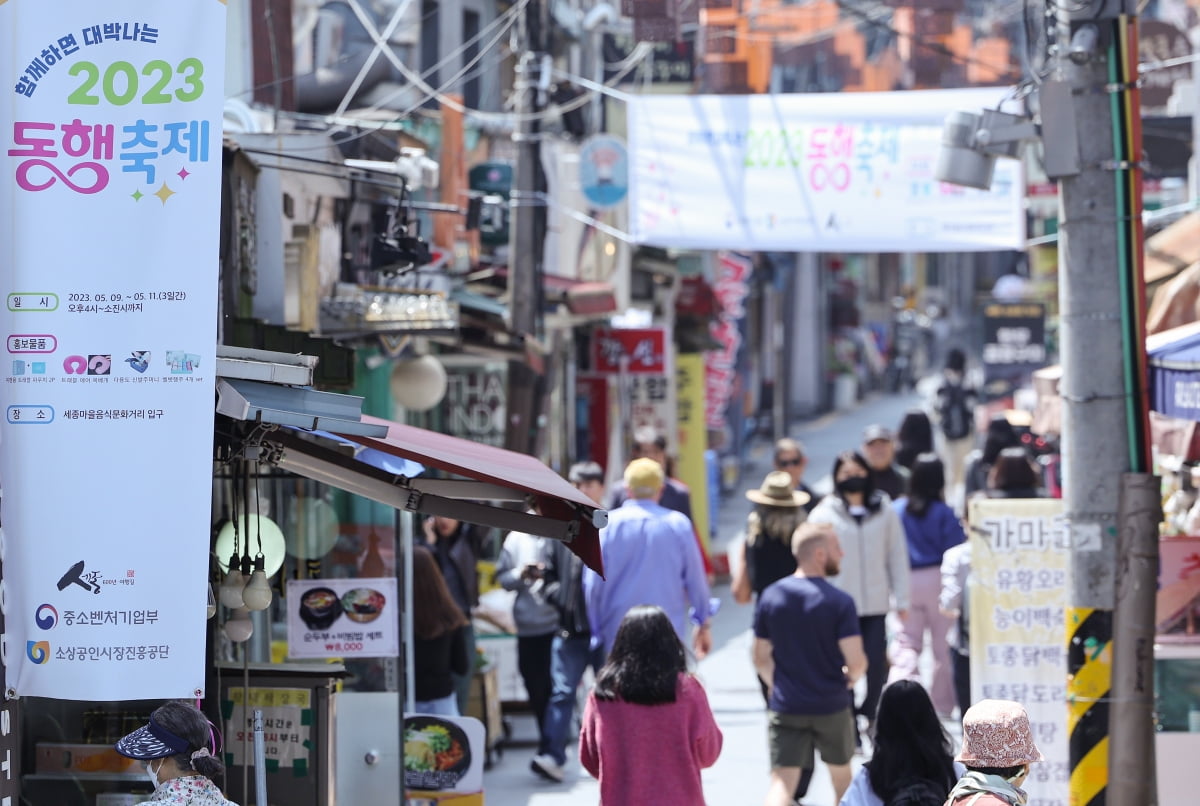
180, 751
997, 751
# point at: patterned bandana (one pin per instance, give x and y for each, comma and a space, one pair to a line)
976, 783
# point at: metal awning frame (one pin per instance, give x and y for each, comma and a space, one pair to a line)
454, 498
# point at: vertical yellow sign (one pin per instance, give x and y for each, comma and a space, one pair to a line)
693, 438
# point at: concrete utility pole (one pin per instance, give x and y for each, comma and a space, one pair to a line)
1096, 391
527, 226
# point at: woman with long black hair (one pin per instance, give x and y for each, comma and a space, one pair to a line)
440, 648
875, 566
913, 761
930, 529
647, 727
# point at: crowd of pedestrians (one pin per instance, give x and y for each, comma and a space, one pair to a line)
857, 584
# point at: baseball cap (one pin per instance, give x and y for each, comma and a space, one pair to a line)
585, 471
876, 431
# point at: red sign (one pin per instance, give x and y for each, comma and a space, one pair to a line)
645, 348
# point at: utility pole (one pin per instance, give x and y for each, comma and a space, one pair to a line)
1101, 434
526, 384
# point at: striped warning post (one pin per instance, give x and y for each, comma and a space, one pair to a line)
1089, 680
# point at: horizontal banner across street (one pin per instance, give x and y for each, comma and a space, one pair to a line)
812, 172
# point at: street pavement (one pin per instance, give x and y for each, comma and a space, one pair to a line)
740, 775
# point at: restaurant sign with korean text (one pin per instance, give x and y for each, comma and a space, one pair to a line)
110, 149
642, 349
342, 618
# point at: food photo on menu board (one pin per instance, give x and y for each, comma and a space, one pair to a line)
342, 618
438, 753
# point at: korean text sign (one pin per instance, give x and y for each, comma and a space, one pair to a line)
815, 172
342, 618
110, 150
1018, 594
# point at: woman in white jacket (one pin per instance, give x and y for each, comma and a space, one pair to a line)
875, 567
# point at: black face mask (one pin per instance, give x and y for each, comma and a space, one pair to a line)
854, 484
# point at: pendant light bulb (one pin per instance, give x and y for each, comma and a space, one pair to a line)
212, 603
257, 595
232, 585
239, 628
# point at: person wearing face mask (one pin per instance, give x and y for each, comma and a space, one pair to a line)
875, 569
181, 756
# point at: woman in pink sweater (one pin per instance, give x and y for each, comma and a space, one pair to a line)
647, 728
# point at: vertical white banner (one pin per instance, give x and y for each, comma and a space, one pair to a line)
1018, 597
110, 156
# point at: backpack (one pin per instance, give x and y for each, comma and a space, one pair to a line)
955, 411
918, 792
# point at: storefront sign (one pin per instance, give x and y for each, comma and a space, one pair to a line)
1018, 595
645, 348
819, 172
443, 754
474, 405
731, 286
110, 147
604, 171
1014, 338
287, 724
342, 618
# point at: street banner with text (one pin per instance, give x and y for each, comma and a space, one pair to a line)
815, 172
110, 142
1018, 593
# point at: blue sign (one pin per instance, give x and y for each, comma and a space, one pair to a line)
604, 170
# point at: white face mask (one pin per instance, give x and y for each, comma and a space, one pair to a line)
152, 773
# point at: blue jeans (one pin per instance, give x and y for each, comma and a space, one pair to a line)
442, 706
569, 657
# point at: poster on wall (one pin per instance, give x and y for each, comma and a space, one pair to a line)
1018, 595
287, 727
342, 618
443, 754
816, 172
110, 147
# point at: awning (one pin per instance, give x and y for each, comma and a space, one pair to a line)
1173, 249
577, 516
491, 477
1175, 372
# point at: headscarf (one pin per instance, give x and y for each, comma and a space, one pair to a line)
978, 783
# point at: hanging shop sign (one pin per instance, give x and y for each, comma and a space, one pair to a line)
342, 618
644, 349
110, 142
1014, 339
604, 171
818, 172
731, 286
1017, 591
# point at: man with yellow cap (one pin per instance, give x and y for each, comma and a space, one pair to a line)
650, 558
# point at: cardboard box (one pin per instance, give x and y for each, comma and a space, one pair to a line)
83, 758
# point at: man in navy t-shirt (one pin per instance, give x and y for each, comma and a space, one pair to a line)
807, 644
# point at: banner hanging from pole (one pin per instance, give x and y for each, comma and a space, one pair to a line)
110, 141
812, 172
1017, 593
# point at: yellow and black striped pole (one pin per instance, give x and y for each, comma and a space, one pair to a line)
1089, 681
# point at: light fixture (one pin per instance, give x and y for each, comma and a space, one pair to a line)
212, 603
257, 594
233, 583
971, 143
274, 544
1084, 43
239, 628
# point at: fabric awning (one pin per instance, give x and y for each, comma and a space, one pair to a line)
490, 478
557, 499
1174, 358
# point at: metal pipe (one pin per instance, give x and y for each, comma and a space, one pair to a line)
406, 537
260, 760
